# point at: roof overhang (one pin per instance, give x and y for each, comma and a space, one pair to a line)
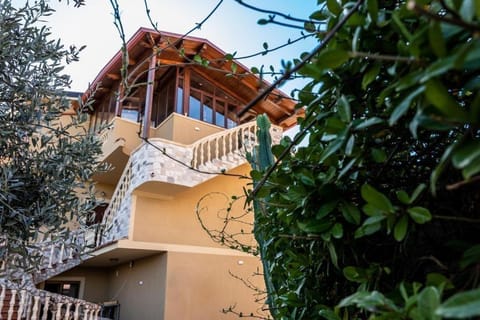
175, 49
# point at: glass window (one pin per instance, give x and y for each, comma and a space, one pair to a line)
194, 104
207, 109
219, 119
179, 108
130, 114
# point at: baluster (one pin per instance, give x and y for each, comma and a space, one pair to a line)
45, 308
224, 150
217, 148
92, 313
50, 258
77, 311
67, 312
97, 311
28, 306
22, 304
36, 302
62, 248
58, 315
72, 245
209, 151
2, 297
12, 304
201, 154
85, 312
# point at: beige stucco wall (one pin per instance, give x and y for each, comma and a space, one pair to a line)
183, 130
175, 221
199, 286
139, 288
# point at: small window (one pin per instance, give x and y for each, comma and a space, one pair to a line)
131, 114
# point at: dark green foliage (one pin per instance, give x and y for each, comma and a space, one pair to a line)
45, 162
379, 215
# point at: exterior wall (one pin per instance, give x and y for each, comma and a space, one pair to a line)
181, 129
95, 282
139, 288
199, 286
175, 221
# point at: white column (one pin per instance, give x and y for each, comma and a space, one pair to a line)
12, 304
23, 297
45, 308
36, 300
2, 297
67, 312
77, 311
59, 311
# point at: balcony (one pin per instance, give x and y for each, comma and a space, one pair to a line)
163, 168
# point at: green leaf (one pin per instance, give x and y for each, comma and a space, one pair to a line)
403, 196
343, 107
328, 314
372, 6
470, 256
337, 230
467, 10
363, 124
370, 75
441, 165
326, 209
355, 274
378, 155
401, 228
471, 169
428, 301
419, 214
349, 146
197, 58
369, 226
371, 301
314, 226
332, 58
402, 107
376, 198
438, 280
435, 37
418, 191
309, 26
466, 154
461, 305
334, 7
350, 213
439, 96
333, 254
332, 147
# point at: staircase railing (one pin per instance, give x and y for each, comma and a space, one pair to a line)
35, 304
119, 195
220, 145
45, 258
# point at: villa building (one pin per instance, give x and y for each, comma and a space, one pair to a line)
170, 131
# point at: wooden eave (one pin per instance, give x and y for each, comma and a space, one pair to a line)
243, 84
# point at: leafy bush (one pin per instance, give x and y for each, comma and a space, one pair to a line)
378, 215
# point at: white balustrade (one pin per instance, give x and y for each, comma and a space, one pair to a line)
27, 304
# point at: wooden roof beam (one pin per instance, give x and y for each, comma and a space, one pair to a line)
113, 76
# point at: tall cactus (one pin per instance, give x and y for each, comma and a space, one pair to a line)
260, 159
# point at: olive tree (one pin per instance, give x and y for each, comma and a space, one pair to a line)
47, 158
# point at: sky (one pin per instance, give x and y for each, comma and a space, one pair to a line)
232, 27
